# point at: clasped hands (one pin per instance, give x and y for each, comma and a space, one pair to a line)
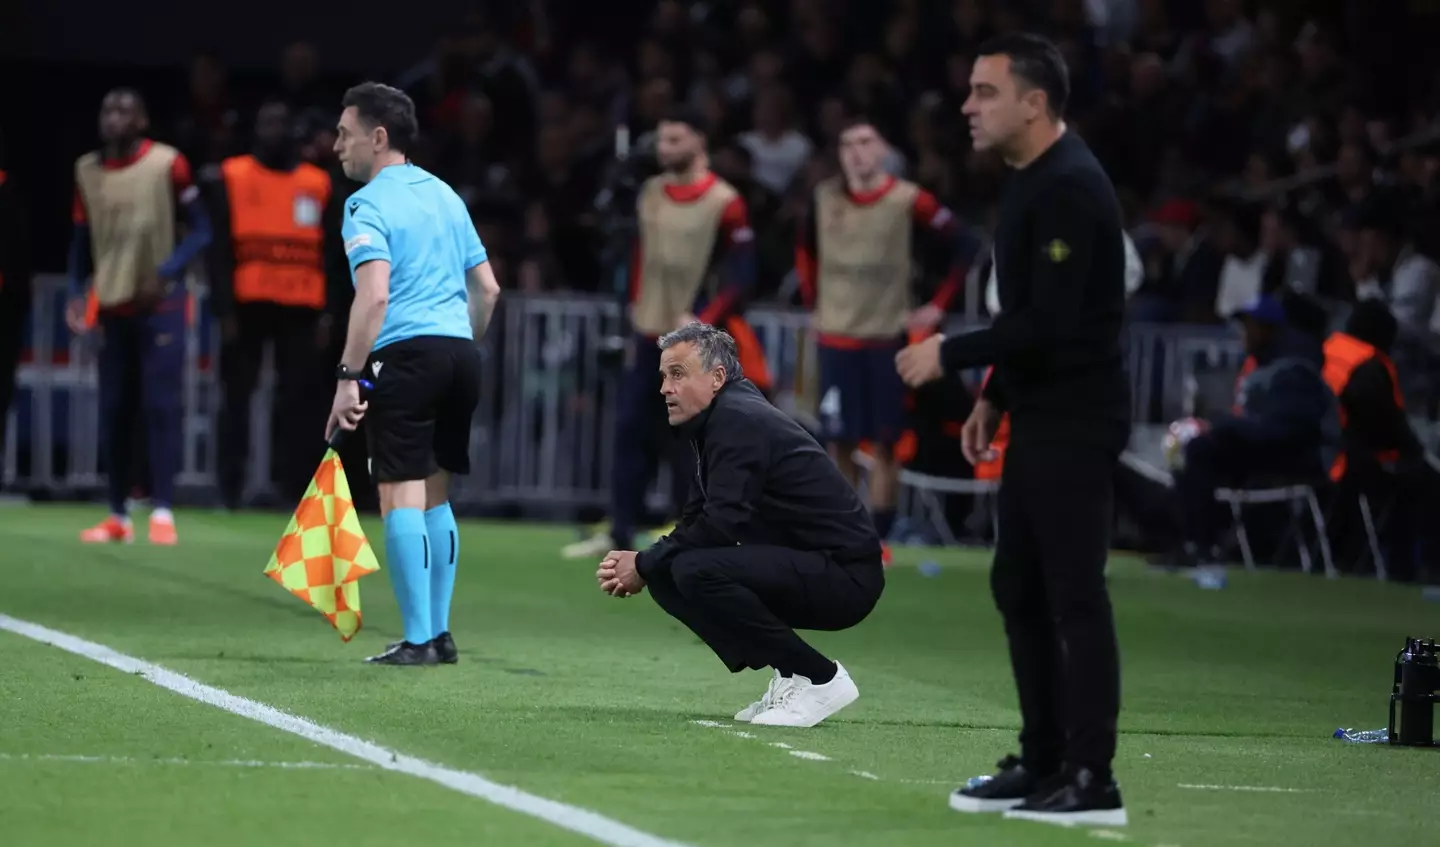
617, 575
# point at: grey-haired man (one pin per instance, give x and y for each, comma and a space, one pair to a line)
772, 537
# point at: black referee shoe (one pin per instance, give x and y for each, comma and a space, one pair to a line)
405, 653
444, 648
1008, 788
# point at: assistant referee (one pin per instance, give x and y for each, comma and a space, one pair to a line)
1055, 347
424, 294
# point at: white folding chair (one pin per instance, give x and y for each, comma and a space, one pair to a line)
1298, 496
922, 496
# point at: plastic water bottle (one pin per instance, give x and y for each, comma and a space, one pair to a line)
1210, 579
1363, 736
930, 568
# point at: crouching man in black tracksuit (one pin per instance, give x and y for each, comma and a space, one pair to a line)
772, 537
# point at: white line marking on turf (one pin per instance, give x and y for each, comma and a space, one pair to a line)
1109, 835
573, 818
1264, 788
739, 733
864, 775
226, 763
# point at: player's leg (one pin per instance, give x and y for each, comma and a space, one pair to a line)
14, 307
1016, 581
296, 414
240, 359
163, 346
841, 415
1071, 515
119, 377
453, 424
636, 451
886, 405
400, 427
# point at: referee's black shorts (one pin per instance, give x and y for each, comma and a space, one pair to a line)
425, 393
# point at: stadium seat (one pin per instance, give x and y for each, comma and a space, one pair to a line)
922, 497
1299, 496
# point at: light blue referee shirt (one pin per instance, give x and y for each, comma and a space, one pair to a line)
410, 218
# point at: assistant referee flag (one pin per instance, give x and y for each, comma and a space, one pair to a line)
324, 552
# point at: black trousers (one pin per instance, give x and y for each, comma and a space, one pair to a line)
1048, 579
14, 309
300, 403
746, 602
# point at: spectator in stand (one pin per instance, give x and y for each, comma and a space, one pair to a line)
1389, 268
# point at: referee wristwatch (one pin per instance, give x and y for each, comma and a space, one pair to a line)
343, 371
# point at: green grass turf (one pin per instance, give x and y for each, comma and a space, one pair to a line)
589, 700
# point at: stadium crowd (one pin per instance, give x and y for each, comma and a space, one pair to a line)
1237, 132
1274, 148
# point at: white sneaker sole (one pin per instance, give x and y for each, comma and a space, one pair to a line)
976, 805
784, 719
1096, 817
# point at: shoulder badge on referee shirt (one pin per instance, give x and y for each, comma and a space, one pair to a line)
1058, 251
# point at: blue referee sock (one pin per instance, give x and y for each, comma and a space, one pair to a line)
444, 553
407, 555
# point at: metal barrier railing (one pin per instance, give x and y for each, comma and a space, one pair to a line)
544, 429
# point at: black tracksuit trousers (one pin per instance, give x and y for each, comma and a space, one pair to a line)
745, 602
1048, 579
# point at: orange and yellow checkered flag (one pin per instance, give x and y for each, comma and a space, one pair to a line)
324, 552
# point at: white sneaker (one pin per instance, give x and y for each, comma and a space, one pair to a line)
804, 704
778, 684
593, 547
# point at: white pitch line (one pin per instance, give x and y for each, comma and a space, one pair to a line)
806, 754
1263, 788
225, 763
581, 821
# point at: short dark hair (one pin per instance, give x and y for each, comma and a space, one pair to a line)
857, 117
1035, 61
380, 105
133, 93
1372, 322
688, 116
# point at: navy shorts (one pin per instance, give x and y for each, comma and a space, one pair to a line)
862, 397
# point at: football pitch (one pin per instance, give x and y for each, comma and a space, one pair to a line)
192, 701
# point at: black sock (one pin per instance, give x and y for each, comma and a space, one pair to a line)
884, 522
821, 673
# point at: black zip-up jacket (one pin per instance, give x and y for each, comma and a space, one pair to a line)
1060, 273
760, 478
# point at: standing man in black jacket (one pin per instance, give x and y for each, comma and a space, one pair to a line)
772, 536
1059, 373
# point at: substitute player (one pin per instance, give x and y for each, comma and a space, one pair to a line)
694, 259
126, 274
424, 294
855, 262
1060, 373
